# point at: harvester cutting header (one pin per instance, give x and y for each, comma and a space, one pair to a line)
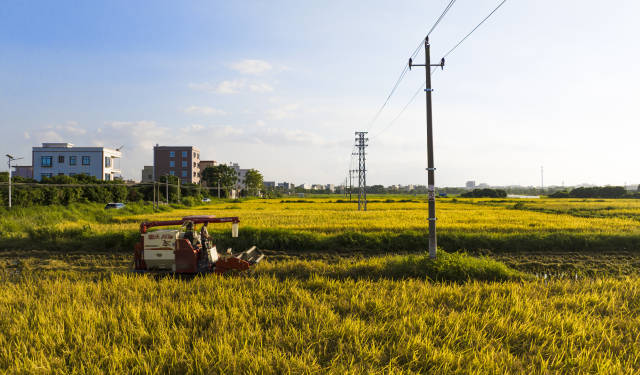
185, 251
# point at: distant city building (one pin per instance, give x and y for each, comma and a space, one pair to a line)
147, 174
269, 184
63, 159
180, 161
24, 171
304, 186
286, 185
330, 187
204, 164
483, 185
317, 187
470, 184
241, 174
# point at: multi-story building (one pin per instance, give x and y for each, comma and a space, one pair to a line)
204, 164
63, 159
180, 161
286, 185
24, 171
269, 184
241, 174
470, 184
147, 174
330, 187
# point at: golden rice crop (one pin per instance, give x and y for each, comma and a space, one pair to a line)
135, 324
322, 217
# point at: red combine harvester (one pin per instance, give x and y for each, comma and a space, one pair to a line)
184, 251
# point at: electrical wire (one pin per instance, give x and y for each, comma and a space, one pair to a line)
444, 13
474, 29
406, 67
433, 71
415, 94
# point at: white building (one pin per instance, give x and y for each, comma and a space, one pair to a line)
62, 159
242, 175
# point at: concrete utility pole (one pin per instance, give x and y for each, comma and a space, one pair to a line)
154, 195
433, 243
11, 158
166, 182
350, 184
542, 178
361, 144
179, 190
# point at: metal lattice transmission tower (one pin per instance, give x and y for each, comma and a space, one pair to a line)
361, 144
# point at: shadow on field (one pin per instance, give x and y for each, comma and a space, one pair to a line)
87, 239
454, 267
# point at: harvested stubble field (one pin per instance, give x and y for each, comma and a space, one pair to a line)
332, 297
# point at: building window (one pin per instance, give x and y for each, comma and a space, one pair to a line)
107, 176
184, 154
107, 161
184, 164
172, 163
197, 156
73, 160
172, 173
172, 154
194, 174
45, 175
46, 161
184, 173
194, 164
61, 159
86, 160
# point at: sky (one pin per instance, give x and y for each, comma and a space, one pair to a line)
281, 86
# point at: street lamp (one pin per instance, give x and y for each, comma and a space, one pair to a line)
11, 158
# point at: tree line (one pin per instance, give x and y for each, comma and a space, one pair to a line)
83, 188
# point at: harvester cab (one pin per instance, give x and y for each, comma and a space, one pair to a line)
184, 251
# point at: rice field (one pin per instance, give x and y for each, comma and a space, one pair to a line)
333, 296
497, 226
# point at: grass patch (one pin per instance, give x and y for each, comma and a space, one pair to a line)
454, 267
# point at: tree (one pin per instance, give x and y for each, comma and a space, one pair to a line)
253, 180
223, 174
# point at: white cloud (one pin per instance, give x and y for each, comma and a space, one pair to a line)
283, 112
232, 86
260, 87
250, 66
204, 110
27, 135
202, 86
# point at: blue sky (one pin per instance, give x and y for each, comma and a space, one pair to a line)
281, 86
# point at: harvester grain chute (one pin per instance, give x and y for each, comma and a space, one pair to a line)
185, 251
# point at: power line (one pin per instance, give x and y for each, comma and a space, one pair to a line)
415, 94
405, 68
435, 70
444, 13
474, 29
